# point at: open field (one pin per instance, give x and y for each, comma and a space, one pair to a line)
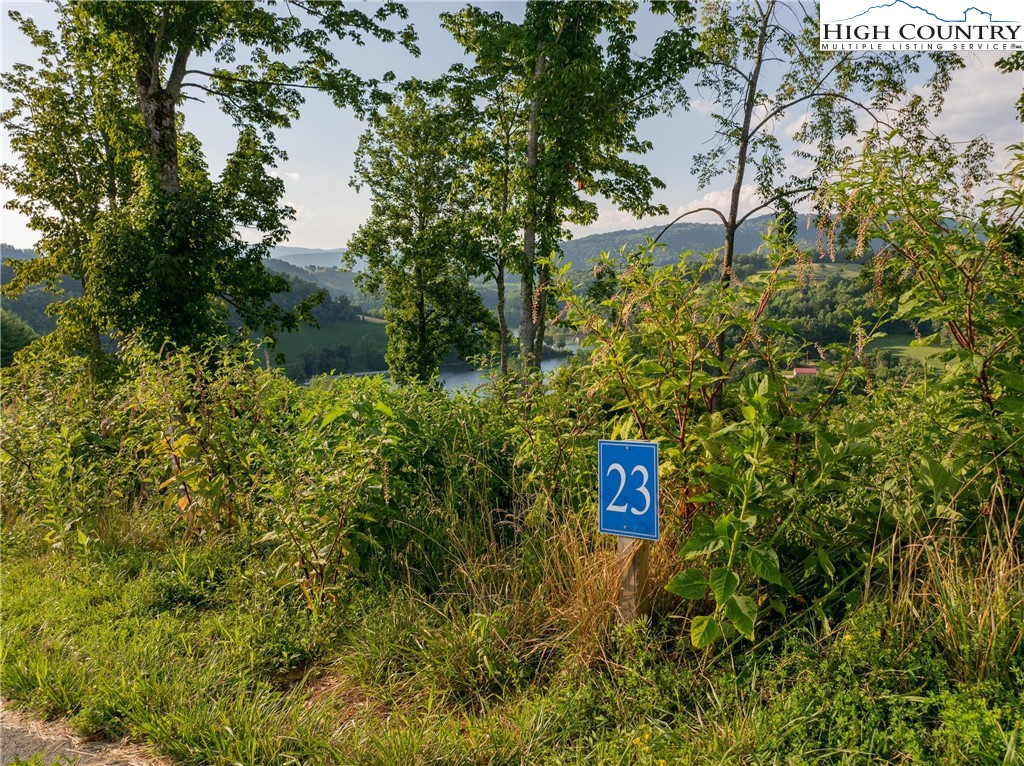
900, 345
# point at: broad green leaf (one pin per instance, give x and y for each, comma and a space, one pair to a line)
725, 527
689, 583
723, 584
742, 613
764, 562
334, 413
704, 631
704, 539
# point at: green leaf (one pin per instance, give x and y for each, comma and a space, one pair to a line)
384, 409
704, 539
335, 413
826, 563
725, 526
689, 583
704, 631
723, 584
742, 613
764, 562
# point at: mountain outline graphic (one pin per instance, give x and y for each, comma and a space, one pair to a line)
933, 15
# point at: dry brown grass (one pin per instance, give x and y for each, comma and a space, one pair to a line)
972, 595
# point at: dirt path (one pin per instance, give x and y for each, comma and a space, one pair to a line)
21, 737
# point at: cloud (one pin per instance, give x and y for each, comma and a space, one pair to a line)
980, 102
703, 106
792, 126
302, 212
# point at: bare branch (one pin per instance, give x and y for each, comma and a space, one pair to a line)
757, 209
826, 94
211, 91
716, 211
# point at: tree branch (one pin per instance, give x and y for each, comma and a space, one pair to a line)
249, 81
826, 94
174, 82
211, 91
716, 211
757, 209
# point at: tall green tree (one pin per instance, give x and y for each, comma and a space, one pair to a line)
762, 63
417, 245
585, 92
73, 127
167, 261
493, 151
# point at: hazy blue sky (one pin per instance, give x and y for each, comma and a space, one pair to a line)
321, 144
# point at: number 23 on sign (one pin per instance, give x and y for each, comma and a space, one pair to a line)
627, 488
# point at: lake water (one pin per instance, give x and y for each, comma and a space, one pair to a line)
455, 380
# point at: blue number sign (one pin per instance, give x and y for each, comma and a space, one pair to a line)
627, 488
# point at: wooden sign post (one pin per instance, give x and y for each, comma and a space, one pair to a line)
628, 497
634, 562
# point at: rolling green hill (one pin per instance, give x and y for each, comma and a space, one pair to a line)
345, 343
341, 345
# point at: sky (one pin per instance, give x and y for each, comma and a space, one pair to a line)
322, 143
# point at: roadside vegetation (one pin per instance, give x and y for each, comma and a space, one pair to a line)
239, 569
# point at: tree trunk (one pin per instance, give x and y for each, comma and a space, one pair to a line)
92, 330
499, 281
499, 268
542, 309
529, 298
159, 112
159, 104
421, 323
742, 150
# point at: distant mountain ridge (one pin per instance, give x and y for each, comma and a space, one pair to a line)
681, 237
323, 266
308, 257
15, 253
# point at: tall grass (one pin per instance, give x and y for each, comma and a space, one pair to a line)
970, 591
